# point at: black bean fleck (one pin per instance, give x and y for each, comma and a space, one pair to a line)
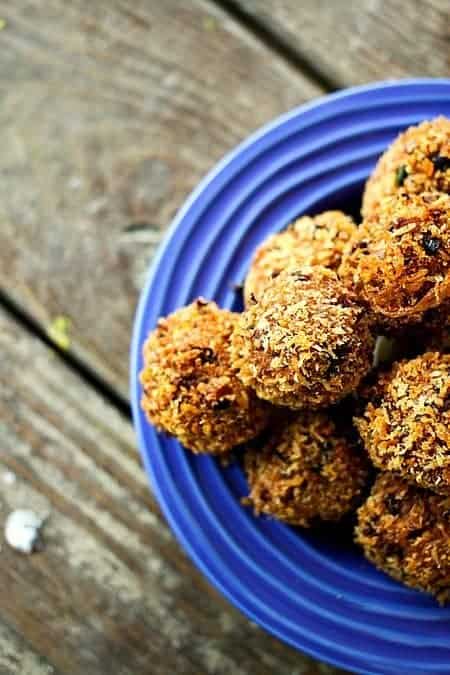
441, 163
393, 550
315, 468
222, 404
431, 245
340, 353
392, 505
185, 381
207, 355
400, 175
278, 454
368, 530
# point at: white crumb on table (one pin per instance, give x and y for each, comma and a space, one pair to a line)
9, 478
22, 530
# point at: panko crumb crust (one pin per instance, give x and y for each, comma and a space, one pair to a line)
405, 531
310, 240
399, 262
190, 387
417, 161
306, 343
306, 471
406, 428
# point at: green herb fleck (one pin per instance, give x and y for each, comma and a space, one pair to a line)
401, 175
209, 23
2, 24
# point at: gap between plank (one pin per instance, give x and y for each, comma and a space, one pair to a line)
85, 372
277, 44
281, 48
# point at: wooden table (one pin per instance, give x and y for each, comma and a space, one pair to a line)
111, 111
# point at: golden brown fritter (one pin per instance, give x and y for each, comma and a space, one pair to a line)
306, 343
399, 262
407, 428
405, 531
190, 387
417, 161
316, 240
306, 471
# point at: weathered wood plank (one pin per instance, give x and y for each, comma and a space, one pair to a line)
111, 591
17, 658
111, 112
356, 42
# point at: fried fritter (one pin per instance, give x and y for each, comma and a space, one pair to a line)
405, 531
310, 240
306, 343
417, 161
190, 386
406, 429
399, 262
306, 471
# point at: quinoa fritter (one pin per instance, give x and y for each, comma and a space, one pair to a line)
405, 531
306, 343
316, 240
417, 161
399, 261
407, 428
306, 471
190, 386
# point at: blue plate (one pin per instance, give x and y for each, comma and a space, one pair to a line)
312, 589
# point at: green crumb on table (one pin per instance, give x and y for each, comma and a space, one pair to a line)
209, 23
59, 330
400, 175
2, 24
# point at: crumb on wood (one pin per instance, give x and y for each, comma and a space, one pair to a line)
209, 23
23, 530
9, 478
59, 331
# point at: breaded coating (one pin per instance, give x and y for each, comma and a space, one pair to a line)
316, 240
399, 262
190, 386
405, 531
406, 429
417, 161
306, 343
306, 471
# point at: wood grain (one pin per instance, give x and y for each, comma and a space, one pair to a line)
17, 658
111, 112
359, 41
111, 591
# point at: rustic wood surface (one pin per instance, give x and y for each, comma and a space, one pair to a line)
111, 112
111, 591
356, 41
